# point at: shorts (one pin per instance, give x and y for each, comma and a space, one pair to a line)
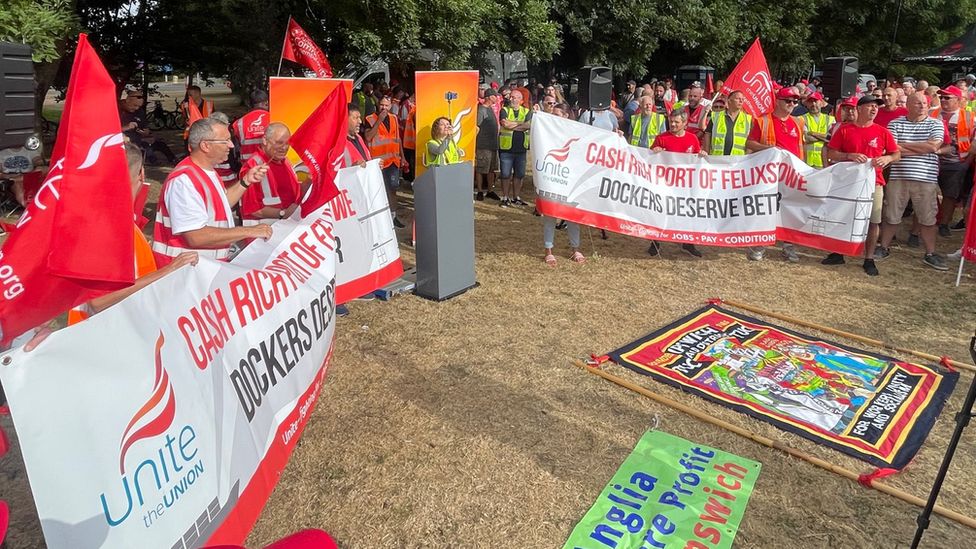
952, 182
487, 162
510, 161
924, 197
877, 205
391, 176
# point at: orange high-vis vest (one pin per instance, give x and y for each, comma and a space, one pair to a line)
768, 134
167, 245
144, 262
410, 130
207, 110
249, 131
964, 129
386, 144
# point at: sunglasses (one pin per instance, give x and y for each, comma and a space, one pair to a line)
550, 103
790, 101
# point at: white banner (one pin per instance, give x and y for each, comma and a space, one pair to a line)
165, 421
368, 255
595, 177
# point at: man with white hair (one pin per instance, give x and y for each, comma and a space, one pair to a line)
194, 211
278, 193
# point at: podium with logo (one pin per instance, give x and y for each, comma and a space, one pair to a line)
445, 231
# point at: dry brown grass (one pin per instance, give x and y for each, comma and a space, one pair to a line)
463, 424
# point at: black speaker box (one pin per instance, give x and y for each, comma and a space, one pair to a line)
595, 84
840, 76
16, 94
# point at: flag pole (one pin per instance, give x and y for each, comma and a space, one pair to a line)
281, 57
962, 261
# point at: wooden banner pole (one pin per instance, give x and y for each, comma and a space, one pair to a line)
776, 444
833, 331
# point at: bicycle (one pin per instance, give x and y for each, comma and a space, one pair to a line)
159, 118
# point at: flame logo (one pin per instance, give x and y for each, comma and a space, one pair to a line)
457, 129
95, 150
562, 153
257, 124
161, 420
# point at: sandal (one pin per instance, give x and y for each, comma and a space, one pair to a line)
550, 260
577, 257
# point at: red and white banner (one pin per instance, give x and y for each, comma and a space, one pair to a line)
969, 241
166, 420
751, 77
596, 178
300, 48
367, 253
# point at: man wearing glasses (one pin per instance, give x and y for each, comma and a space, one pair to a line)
778, 129
133, 118
954, 157
278, 193
194, 211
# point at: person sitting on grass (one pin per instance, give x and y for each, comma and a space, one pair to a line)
677, 140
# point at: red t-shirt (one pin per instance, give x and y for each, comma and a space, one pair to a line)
687, 143
872, 141
885, 116
787, 134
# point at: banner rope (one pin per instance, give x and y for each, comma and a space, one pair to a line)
777, 445
949, 363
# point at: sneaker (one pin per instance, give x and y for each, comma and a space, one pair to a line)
881, 253
756, 254
960, 225
535, 212
480, 196
342, 310
561, 225
913, 241
654, 249
870, 268
894, 243
398, 224
935, 261
519, 202
789, 252
691, 250
504, 203
956, 255
492, 195
833, 259
944, 230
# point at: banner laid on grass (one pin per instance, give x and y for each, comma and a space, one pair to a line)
595, 177
166, 420
367, 253
870, 406
669, 492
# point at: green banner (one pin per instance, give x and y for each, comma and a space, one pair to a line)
669, 493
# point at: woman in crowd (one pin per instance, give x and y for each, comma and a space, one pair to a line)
441, 148
549, 223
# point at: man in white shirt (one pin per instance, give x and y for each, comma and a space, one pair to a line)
194, 208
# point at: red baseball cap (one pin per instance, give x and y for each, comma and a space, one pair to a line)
951, 90
849, 102
815, 96
787, 93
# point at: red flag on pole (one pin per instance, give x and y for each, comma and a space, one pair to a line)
74, 240
751, 77
709, 87
300, 48
319, 142
969, 241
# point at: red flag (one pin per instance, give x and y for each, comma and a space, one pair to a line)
751, 77
969, 241
74, 241
300, 48
709, 86
319, 142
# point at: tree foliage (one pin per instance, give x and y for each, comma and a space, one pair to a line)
41, 24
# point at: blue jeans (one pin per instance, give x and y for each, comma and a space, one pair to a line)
509, 161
